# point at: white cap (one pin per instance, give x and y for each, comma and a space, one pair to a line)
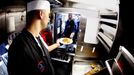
38, 5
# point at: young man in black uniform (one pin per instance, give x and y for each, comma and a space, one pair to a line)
27, 54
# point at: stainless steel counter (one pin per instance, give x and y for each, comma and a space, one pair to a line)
86, 51
83, 67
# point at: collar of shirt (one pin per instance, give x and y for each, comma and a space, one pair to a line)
41, 41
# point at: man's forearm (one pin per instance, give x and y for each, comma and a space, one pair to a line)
52, 47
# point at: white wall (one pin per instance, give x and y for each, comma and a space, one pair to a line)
91, 30
92, 24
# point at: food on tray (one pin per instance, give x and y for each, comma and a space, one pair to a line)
65, 40
95, 68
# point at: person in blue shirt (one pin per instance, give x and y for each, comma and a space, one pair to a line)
70, 27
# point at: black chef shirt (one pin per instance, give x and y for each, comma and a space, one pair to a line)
25, 57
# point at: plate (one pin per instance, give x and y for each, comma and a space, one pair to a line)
66, 41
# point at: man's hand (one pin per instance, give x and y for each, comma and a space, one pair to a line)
72, 35
58, 42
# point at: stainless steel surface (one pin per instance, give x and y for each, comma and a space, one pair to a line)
64, 53
83, 49
86, 51
81, 33
81, 67
61, 60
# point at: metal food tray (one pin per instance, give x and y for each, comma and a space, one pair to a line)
81, 67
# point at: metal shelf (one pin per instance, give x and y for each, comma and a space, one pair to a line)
105, 40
